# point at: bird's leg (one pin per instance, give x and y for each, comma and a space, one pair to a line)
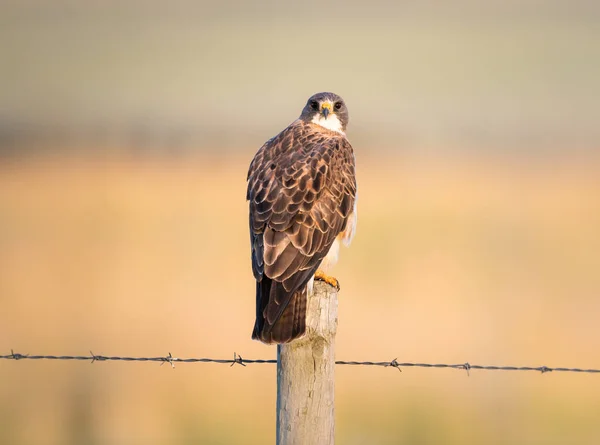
321, 276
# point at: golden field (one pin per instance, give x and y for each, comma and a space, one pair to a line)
488, 260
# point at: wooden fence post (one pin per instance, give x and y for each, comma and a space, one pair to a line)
305, 375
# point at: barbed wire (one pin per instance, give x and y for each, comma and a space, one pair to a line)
238, 360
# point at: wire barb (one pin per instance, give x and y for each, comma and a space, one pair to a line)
467, 367
16, 356
94, 357
170, 360
394, 363
237, 360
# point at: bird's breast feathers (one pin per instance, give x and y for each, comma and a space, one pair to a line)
331, 123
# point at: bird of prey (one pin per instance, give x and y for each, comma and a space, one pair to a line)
302, 199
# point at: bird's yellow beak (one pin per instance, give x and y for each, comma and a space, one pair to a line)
326, 109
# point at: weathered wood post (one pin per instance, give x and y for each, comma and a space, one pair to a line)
305, 375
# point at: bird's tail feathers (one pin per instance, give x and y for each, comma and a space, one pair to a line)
290, 324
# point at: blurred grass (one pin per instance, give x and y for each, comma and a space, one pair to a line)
479, 259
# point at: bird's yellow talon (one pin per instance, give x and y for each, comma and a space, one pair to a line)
321, 276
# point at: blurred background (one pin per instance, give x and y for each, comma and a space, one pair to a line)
126, 130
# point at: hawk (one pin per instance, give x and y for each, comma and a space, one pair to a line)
302, 199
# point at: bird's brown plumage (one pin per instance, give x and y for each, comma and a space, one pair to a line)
302, 190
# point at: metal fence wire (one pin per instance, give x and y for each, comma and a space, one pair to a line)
238, 360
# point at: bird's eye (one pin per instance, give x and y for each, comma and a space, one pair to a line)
314, 105
337, 106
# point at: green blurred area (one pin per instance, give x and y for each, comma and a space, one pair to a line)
520, 76
128, 128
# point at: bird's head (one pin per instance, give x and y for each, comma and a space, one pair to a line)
327, 110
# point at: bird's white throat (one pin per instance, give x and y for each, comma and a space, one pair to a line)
331, 123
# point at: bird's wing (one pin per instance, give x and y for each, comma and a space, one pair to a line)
301, 188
